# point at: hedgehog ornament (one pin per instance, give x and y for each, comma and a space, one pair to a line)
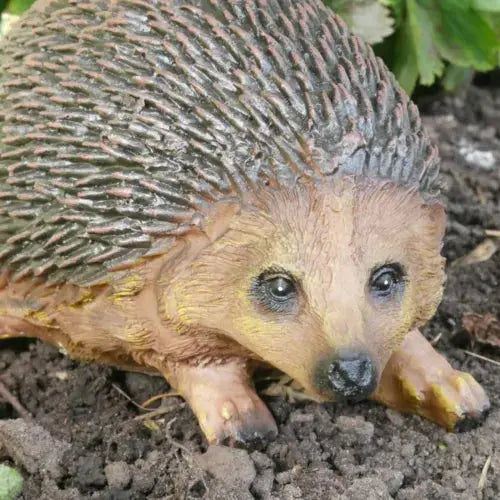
197, 188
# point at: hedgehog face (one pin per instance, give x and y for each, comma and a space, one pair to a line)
323, 282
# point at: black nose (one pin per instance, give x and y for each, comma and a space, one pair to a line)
352, 376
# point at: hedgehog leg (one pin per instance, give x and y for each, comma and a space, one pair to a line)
417, 379
226, 405
14, 327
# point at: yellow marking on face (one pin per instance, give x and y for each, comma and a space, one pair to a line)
249, 324
42, 317
137, 335
86, 297
180, 309
127, 287
39, 317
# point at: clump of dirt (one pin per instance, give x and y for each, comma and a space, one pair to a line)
363, 451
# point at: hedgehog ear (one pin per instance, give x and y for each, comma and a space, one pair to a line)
437, 214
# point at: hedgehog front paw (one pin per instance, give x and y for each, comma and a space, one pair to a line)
417, 379
239, 420
228, 409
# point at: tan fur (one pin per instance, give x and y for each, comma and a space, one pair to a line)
330, 240
189, 313
193, 303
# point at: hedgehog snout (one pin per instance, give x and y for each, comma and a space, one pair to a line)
351, 375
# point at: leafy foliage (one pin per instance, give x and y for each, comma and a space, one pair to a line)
437, 38
420, 40
11, 483
17, 7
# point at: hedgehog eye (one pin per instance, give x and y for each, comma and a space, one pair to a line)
387, 281
280, 288
275, 291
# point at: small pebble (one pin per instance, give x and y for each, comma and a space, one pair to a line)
290, 492
392, 478
344, 461
32, 447
487, 132
284, 477
450, 439
408, 450
460, 484
261, 460
222, 462
263, 484
367, 488
395, 417
89, 471
143, 480
297, 417
476, 158
118, 475
354, 430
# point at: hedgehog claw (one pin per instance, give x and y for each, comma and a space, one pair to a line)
228, 409
256, 438
248, 425
470, 422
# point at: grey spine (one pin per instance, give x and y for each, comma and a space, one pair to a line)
121, 121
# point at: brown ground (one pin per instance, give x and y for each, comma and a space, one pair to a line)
327, 451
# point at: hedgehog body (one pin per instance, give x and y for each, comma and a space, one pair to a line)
186, 181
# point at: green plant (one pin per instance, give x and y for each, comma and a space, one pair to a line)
434, 38
11, 483
16, 7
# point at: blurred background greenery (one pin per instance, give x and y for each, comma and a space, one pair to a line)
15, 7
424, 42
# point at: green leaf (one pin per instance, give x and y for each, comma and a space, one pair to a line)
420, 24
11, 483
463, 35
404, 65
17, 7
398, 8
337, 5
487, 5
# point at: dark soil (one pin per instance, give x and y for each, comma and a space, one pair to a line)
363, 451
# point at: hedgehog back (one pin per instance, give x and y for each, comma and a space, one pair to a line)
122, 121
